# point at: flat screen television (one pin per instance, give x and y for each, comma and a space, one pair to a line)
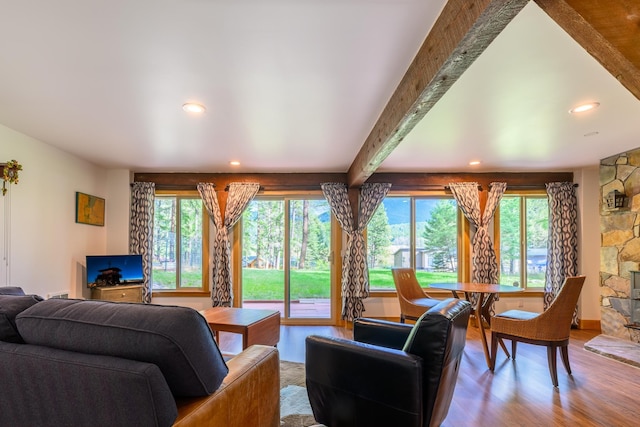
114, 270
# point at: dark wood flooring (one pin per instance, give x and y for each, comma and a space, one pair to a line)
601, 391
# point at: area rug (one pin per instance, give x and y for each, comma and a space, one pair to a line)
295, 410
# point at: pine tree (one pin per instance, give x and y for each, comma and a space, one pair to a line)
378, 237
440, 235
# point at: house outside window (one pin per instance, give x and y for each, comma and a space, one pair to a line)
523, 236
419, 232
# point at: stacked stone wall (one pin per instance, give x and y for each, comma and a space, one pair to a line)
620, 243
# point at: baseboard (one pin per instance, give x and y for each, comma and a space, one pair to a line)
589, 324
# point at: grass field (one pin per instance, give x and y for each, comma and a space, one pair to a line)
267, 285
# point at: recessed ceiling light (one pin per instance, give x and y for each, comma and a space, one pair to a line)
234, 163
474, 162
191, 107
584, 107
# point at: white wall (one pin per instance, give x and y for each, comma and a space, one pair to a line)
118, 209
46, 248
589, 241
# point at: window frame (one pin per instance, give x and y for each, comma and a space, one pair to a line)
523, 195
335, 248
462, 253
204, 290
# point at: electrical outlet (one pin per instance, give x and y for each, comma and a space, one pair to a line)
58, 295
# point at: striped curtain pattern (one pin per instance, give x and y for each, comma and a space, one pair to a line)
355, 273
141, 230
562, 247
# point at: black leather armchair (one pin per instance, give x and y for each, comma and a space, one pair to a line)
391, 374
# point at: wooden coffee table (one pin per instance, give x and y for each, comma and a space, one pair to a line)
256, 326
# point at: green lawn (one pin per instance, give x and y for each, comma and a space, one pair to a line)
382, 278
258, 284
267, 285
167, 279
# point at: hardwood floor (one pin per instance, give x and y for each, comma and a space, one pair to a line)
601, 391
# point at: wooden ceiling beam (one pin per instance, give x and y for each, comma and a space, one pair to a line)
461, 33
608, 30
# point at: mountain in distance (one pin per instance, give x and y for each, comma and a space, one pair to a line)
398, 210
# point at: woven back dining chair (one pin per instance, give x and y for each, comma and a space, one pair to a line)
550, 328
414, 302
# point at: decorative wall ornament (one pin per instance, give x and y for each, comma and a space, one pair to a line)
89, 209
615, 200
10, 174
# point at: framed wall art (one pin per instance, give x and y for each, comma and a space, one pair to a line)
89, 209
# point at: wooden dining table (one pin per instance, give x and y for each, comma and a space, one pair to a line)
486, 293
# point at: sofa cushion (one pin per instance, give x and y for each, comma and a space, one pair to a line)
10, 307
176, 339
11, 290
44, 386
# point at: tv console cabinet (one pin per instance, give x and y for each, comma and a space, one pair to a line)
127, 293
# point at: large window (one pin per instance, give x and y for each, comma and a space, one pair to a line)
179, 254
417, 232
523, 234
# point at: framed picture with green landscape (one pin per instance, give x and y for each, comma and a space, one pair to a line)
89, 209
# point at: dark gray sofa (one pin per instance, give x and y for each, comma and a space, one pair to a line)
94, 363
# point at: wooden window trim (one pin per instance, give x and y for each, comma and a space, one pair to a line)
205, 290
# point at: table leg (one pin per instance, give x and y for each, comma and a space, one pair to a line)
245, 339
482, 314
483, 336
486, 316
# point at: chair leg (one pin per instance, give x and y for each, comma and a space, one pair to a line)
504, 348
551, 356
402, 318
564, 351
513, 349
494, 351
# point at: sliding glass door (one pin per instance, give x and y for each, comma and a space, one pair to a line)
286, 245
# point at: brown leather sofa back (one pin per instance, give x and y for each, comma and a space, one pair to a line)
248, 396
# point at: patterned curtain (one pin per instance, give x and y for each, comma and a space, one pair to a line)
484, 264
562, 247
355, 273
141, 230
240, 194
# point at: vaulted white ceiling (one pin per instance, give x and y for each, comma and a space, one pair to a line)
294, 86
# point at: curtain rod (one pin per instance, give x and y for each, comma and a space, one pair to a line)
307, 187
448, 188
227, 188
525, 186
176, 186
514, 187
